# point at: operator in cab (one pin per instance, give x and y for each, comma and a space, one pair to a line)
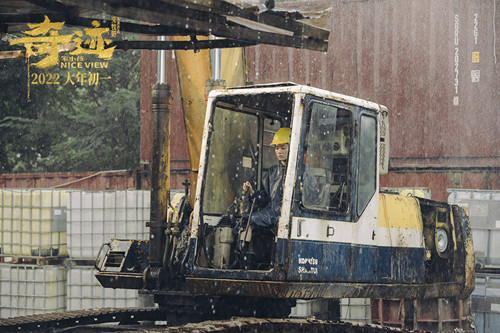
270, 197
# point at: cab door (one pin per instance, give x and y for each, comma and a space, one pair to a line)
333, 207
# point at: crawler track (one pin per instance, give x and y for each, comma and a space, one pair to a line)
141, 320
89, 320
59, 320
271, 325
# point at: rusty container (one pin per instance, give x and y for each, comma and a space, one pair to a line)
434, 64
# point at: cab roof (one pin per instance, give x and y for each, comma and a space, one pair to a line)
294, 88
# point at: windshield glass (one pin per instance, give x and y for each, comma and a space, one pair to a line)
327, 158
239, 150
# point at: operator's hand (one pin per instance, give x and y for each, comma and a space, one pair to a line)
247, 187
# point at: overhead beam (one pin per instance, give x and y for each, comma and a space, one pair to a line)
162, 16
136, 28
179, 45
180, 17
152, 45
185, 12
273, 19
144, 29
270, 18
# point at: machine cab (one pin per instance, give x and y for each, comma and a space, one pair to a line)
331, 175
330, 233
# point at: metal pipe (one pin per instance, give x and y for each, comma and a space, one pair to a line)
216, 63
160, 195
161, 63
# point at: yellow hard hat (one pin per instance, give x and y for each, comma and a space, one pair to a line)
281, 136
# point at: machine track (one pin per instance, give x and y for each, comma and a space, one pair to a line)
58, 320
129, 318
273, 325
142, 320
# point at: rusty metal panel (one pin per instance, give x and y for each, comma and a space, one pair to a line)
388, 312
399, 53
178, 148
148, 77
406, 55
436, 314
439, 182
104, 180
441, 314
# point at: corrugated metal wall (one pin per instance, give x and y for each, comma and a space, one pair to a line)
104, 180
432, 63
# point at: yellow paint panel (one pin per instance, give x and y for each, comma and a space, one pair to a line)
194, 71
233, 69
396, 211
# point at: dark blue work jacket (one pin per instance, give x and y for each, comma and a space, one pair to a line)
269, 198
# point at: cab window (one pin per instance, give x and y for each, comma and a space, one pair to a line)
367, 163
238, 147
326, 179
230, 162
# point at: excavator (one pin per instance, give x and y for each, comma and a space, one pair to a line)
351, 239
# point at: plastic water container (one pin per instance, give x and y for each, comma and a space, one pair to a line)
85, 292
94, 217
33, 222
30, 289
317, 308
484, 213
357, 310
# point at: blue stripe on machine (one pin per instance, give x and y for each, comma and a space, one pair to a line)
328, 261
